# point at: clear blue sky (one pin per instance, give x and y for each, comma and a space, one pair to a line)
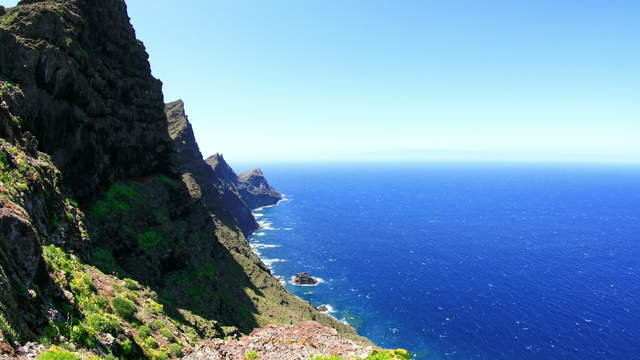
411, 79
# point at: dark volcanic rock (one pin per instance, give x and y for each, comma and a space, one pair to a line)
256, 191
87, 165
251, 186
89, 97
305, 279
206, 186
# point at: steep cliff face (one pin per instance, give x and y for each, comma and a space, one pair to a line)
252, 187
218, 197
150, 260
256, 191
89, 97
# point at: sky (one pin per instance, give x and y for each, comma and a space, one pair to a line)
401, 80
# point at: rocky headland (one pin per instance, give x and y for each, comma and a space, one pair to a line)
117, 239
251, 186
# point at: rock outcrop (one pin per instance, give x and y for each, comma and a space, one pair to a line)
252, 187
304, 279
303, 341
256, 191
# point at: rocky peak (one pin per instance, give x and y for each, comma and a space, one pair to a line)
202, 180
89, 96
222, 169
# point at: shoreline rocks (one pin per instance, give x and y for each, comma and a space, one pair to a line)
304, 279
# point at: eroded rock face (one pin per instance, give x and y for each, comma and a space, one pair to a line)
81, 118
218, 197
251, 186
291, 342
90, 99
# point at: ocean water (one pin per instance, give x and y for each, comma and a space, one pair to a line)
467, 261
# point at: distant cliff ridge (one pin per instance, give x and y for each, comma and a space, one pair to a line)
251, 186
218, 196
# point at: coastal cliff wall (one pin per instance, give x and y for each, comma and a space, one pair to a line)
251, 186
115, 236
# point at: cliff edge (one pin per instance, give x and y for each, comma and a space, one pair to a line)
116, 240
252, 186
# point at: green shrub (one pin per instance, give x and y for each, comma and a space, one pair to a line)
158, 324
16, 121
125, 308
156, 308
151, 342
131, 284
150, 240
399, 354
56, 353
251, 355
160, 355
81, 285
127, 347
144, 331
104, 323
176, 350
166, 333
6, 329
82, 334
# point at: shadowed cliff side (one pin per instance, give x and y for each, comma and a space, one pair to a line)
252, 187
217, 197
147, 261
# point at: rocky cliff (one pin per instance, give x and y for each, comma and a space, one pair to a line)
116, 240
252, 187
218, 196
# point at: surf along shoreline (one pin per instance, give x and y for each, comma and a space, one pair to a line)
257, 245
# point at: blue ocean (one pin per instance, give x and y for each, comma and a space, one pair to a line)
466, 261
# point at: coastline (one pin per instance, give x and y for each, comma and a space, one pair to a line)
256, 245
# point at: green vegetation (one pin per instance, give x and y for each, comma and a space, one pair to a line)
56, 353
252, 355
399, 354
117, 201
144, 331
16, 121
96, 314
9, 18
15, 168
125, 308
103, 260
6, 329
175, 350
151, 240
131, 284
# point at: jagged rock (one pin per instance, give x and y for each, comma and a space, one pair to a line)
323, 308
305, 279
30, 350
79, 100
252, 187
256, 191
89, 96
289, 342
218, 197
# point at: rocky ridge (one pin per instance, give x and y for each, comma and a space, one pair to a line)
115, 239
251, 186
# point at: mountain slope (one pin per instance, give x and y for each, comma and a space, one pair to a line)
113, 236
